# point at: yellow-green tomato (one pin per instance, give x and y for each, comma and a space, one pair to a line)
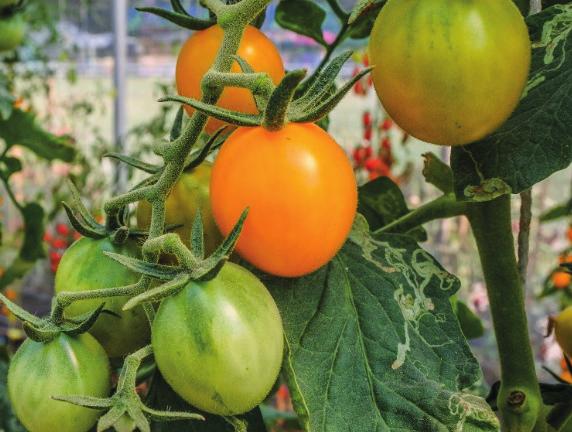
219, 343
84, 267
450, 72
190, 193
563, 330
66, 366
12, 32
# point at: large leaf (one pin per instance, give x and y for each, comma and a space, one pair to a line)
21, 128
373, 343
536, 140
363, 17
304, 17
381, 202
162, 397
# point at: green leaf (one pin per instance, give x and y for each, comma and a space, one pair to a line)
365, 8
381, 202
470, 323
8, 421
362, 24
536, 141
162, 397
22, 129
32, 247
304, 17
372, 342
180, 19
557, 212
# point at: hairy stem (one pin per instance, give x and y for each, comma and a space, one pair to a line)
519, 399
524, 233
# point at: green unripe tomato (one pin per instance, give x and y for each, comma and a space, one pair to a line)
84, 267
450, 72
219, 344
66, 366
12, 32
563, 330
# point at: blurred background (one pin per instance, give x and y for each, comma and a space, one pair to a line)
64, 75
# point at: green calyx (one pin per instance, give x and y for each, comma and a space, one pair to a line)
192, 264
125, 410
179, 16
292, 100
46, 329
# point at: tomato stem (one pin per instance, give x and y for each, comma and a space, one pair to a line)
445, 206
519, 398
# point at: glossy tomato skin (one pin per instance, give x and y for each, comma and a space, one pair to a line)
301, 191
198, 54
219, 344
66, 366
448, 72
563, 330
84, 267
12, 32
191, 192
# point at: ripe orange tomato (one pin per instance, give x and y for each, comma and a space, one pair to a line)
450, 73
198, 54
561, 280
569, 233
301, 191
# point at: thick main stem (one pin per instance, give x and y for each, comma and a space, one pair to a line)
519, 399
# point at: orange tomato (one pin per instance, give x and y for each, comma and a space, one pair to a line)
198, 54
561, 280
565, 259
569, 233
301, 191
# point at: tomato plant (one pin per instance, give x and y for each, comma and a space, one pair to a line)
345, 304
198, 54
301, 191
450, 74
65, 366
13, 31
84, 267
219, 343
188, 195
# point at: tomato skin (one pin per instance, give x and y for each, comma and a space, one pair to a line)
561, 279
301, 191
563, 330
65, 366
447, 72
84, 267
13, 30
198, 54
190, 193
219, 344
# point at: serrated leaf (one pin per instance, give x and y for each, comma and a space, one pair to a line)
373, 343
23, 129
536, 141
381, 202
304, 17
162, 397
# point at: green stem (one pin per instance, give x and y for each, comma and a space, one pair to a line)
519, 399
337, 9
445, 206
11, 194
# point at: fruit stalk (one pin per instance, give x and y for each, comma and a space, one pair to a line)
519, 398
